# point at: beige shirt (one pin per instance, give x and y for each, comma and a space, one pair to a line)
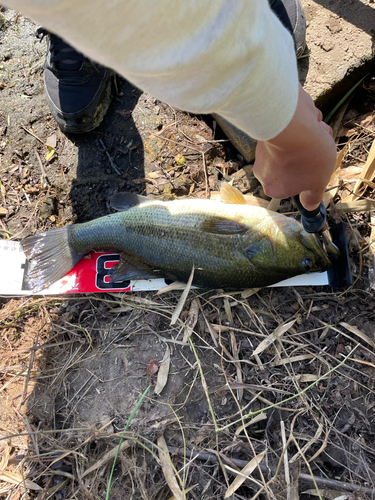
231, 57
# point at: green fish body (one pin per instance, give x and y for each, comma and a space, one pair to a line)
229, 245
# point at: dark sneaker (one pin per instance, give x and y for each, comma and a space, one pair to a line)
291, 14
78, 90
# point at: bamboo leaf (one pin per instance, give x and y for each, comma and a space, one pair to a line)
280, 330
244, 474
13, 478
163, 372
168, 469
367, 174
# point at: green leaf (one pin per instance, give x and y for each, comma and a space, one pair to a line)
51, 152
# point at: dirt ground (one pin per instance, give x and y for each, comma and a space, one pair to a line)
341, 39
285, 374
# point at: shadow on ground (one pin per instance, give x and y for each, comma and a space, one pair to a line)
109, 157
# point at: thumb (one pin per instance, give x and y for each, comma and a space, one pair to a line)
311, 199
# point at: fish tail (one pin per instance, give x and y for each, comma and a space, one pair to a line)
51, 257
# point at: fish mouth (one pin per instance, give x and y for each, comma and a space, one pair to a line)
327, 253
321, 251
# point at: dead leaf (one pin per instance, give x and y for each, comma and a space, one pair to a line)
255, 420
303, 377
13, 478
155, 175
362, 362
248, 292
359, 333
366, 121
2, 189
368, 173
120, 309
186, 491
176, 285
293, 359
274, 205
152, 367
350, 174
280, 330
51, 141
347, 207
3, 212
244, 474
168, 470
183, 298
5, 456
107, 457
233, 342
191, 319
333, 184
163, 372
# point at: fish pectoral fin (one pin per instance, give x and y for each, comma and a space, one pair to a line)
260, 253
222, 225
230, 194
124, 201
129, 269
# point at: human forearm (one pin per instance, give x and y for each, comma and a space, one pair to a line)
299, 160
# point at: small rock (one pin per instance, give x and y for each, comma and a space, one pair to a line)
327, 45
334, 25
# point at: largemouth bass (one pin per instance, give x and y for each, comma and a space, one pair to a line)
230, 245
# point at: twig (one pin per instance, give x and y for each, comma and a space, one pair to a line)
44, 175
113, 165
31, 363
299, 394
175, 142
205, 176
286, 461
31, 133
320, 481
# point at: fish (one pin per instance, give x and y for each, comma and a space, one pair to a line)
230, 244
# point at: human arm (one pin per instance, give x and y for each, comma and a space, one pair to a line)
232, 58
299, 160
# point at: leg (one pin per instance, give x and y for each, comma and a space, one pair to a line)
78, 90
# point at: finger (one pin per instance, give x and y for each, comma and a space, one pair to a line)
326, 127
319, 114
311, 199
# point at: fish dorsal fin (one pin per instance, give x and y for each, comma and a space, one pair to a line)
222, 225
124, 201
230, 194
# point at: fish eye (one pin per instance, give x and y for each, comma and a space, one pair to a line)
307, 264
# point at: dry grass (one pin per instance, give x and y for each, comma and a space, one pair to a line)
264, 396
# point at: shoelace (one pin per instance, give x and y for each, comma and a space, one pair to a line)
63, 55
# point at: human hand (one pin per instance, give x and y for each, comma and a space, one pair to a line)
301, 159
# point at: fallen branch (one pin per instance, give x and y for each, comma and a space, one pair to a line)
320, 481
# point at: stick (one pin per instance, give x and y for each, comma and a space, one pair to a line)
320, 481
110, 158
44, 175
